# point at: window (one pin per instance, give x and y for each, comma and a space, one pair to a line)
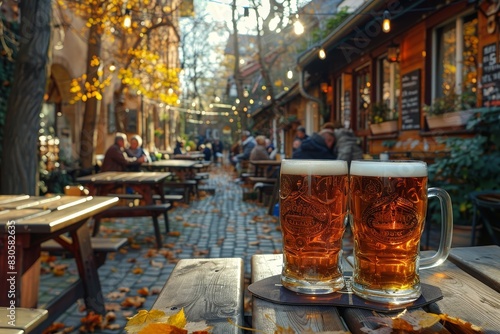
363, 99
456, 57
389, 86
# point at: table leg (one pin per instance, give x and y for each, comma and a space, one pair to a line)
87, 269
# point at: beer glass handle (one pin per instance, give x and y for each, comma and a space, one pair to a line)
446, 229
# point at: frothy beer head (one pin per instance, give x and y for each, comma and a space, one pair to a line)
314, 167
395, 168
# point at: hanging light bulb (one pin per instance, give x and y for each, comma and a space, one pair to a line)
298, 27
386, 22
289, 74
322, 53
127, 19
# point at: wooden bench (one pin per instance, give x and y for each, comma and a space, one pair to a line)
209, 290
100, 246
152, 210
21, 320
169, 198
188, 187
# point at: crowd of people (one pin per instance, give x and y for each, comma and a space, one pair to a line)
331, 142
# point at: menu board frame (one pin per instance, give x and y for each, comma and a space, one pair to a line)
410, 100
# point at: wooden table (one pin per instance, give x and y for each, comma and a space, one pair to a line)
26, 223
183, 169
469, 281
146, 184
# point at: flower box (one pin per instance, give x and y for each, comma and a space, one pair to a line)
384, 127
450, 119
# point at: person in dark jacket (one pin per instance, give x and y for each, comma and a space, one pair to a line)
115, 158
317, 146
346, 143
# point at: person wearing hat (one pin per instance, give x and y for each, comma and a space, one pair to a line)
116, 159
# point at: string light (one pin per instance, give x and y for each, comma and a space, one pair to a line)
289, 74
298, 27
322, 53
127, 19
386, 22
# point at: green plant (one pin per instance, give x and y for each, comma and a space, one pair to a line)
450, 102
471, 165
380, 112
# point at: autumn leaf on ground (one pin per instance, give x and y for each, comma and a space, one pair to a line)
135, 301
59, 270
113, 307
151, 253
137, 271
55, 327
174, 234
457, 325
156, 264
143, 291
91, 322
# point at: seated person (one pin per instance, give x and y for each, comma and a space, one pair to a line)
317, 146
259, 152
136, 150
116, 159
179, 148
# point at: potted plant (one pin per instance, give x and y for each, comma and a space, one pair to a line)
450, 110
471, 165
383, 119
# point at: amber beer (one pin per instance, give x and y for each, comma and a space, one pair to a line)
313, 204
388, 203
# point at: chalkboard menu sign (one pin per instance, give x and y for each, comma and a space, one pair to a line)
491, 76
410, 101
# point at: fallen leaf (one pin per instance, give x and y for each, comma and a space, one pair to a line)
113, 326
457, 325
143, 291
145, 317
134, 301
160, 328
137, 271
156, 264
91, 321
174, 234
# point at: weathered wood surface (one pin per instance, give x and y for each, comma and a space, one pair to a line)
26, 319
124, 177
266, 315
470, 298
46, 221
172, 163
483, 263
209, 290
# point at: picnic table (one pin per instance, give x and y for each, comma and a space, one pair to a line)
211, 291
147, 184
262, 165
28, 221
143, 185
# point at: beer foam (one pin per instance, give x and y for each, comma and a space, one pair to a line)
383, 168
314, 167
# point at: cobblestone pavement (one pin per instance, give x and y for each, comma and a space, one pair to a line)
216, 225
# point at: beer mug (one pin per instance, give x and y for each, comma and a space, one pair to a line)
388, 205
313, 208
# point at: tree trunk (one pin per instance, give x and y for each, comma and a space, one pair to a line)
87, 143
20, 153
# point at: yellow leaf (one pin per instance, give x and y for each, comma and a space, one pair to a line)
162, 329
145, 317
178, 319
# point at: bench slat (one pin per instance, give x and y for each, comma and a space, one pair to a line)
209, 290
26, 319
98, 244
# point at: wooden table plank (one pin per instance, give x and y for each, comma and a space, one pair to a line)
53, 203
11, 198
57, 220
209, 290
266, 315
483, 263
464, 296
16, 215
